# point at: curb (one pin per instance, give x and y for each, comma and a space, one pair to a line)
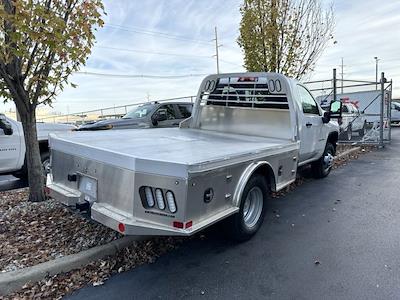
347, 152
15, 280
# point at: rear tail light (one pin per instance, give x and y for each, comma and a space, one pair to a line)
171, 201
149, 196
160, 199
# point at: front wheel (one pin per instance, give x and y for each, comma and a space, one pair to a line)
322, 167
243, 225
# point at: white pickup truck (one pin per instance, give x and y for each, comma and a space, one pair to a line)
248, 134
12, 144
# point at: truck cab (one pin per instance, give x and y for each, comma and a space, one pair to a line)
12, 145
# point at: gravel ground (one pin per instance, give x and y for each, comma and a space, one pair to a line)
97, 272
31, 233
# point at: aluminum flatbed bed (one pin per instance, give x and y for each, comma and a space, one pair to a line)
168, 151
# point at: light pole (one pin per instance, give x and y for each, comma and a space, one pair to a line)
376, 72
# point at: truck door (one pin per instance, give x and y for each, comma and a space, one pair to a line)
311, 125
10, 147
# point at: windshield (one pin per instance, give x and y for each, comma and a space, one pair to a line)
139, 112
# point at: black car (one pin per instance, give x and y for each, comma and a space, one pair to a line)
148, 115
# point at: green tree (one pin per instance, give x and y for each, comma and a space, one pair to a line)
284, 36
41, 43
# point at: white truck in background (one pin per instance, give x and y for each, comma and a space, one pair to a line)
248, 134
12, 145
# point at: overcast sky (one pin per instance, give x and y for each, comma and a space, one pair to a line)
174, 37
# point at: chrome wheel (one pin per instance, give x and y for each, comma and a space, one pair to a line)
328, 160
253, 207
46, 166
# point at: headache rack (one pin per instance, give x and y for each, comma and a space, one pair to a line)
251, 92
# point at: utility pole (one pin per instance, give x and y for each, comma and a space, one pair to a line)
216, 48
334, 86
381, 125
376, 72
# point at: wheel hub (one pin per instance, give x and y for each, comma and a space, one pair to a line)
253, 206
328, 160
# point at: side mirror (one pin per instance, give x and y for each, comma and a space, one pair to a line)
326, 117
7, 129
335, 109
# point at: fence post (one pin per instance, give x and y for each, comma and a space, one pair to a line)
334, 85
389, 111
381, 145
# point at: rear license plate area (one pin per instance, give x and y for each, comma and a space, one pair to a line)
88, 187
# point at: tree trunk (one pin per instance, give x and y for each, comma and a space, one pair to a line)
34, 164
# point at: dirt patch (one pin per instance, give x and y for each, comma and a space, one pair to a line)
31, 233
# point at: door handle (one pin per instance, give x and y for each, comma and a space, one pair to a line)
308, 125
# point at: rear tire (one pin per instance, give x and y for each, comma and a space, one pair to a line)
322, 167
45, 159
243, 225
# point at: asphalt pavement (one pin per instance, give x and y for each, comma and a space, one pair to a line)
335, 238
8, 182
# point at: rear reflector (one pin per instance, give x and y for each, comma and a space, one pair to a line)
178, 225
121, 227
189, 224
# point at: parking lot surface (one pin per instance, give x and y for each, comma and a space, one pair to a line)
335, 238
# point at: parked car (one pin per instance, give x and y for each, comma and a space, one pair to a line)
352, 121
395, 112
248, 134
12, 145
149, 115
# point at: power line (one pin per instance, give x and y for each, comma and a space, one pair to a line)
139, 76
166, 53
152, 52
157, 33
231, 63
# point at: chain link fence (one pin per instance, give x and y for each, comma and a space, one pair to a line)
366, 105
